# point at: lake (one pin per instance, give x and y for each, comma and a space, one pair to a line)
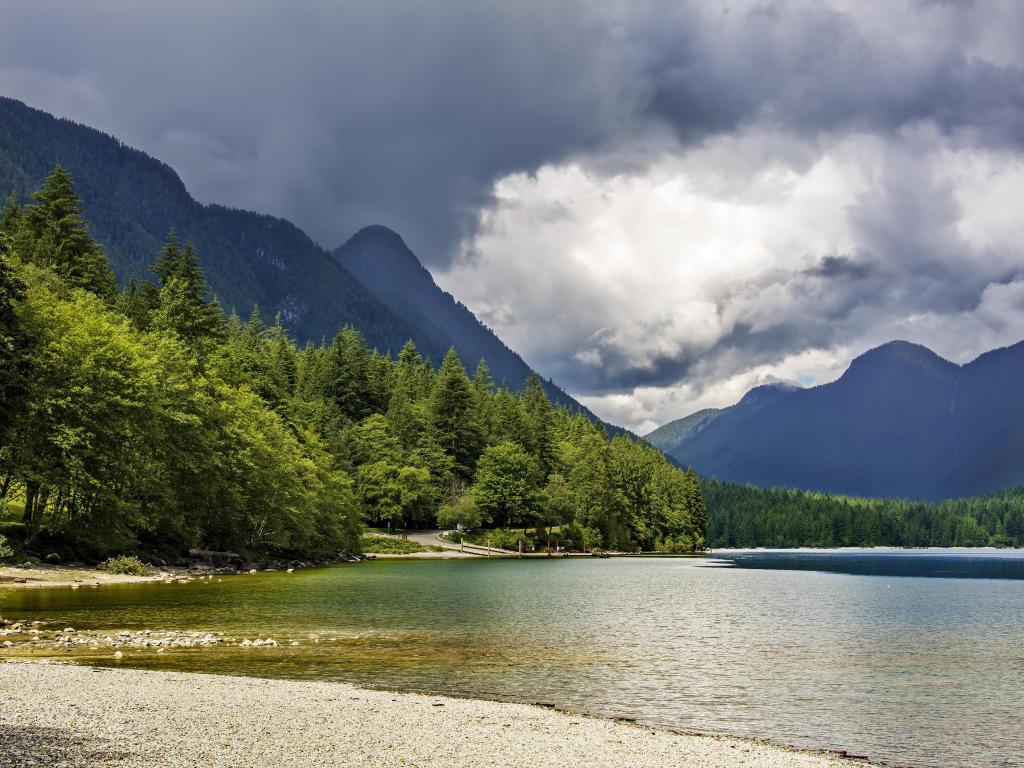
910, 657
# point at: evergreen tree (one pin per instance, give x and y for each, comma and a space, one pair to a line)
150, 422
348, 381
53, 234
483, 391
452, 416
14, 357
138, 302
181, 303
538, 421
10, 223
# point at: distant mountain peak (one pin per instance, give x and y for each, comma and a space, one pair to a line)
900, 358
378, 233
381, 260
901, 422
904, 351
769, 392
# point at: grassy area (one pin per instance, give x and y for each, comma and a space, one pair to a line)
378, 545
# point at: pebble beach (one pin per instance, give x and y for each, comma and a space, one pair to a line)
63, 715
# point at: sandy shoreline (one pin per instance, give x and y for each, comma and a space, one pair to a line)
40, 575
67, 715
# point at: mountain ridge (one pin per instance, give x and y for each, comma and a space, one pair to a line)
132, 200
379, 258
900, 422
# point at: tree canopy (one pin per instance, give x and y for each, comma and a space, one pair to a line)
147, 420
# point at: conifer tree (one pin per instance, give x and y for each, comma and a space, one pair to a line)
348, 374
483, 391
138, 301
14, 348
538, 421
182, 305
452, 415
53, 234
10, 221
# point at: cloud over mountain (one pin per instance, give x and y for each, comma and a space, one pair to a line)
659, 204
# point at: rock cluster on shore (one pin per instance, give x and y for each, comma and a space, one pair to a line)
37, 637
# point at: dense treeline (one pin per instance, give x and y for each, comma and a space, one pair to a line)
145, 419
745, 516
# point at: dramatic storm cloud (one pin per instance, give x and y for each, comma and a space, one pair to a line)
659, 204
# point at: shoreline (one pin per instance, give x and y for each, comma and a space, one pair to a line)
62, 714
43, 575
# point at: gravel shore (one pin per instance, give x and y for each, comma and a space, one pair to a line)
65, 715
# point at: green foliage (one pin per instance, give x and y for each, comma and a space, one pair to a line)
14, 348
147, 420
181, 304
745, 516
452, 415
127, 565
132, 200
6, 550
53, 234
384, 545
557, 502
506, 488
461, 513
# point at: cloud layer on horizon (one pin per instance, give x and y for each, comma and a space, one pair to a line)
658, 204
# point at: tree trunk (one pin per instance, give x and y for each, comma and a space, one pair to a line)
28, 516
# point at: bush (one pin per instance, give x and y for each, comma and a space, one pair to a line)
460, 514
127, 565
380, 545
680, 545
6, 550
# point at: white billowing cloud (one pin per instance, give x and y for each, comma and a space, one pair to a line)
753, 257
660, 202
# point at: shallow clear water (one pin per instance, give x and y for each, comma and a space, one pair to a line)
817, 649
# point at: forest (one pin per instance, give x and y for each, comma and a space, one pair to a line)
143, 419
746, 516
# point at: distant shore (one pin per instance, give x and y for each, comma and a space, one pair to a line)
66, 715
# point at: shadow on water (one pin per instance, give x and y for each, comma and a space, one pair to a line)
947, 564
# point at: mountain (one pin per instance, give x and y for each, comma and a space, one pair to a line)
900, 422
381, 261
132, 200
667, 437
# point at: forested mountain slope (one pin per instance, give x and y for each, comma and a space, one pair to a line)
132, 201
380, 260
146, 420
900, 422
668, 436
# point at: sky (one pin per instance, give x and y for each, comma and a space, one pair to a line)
658, 204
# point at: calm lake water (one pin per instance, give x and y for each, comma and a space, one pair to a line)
908, 657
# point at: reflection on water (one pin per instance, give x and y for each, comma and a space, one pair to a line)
922, 671
929, 563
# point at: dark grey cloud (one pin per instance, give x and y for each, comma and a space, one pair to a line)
812, 68
341, 114
337, 115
